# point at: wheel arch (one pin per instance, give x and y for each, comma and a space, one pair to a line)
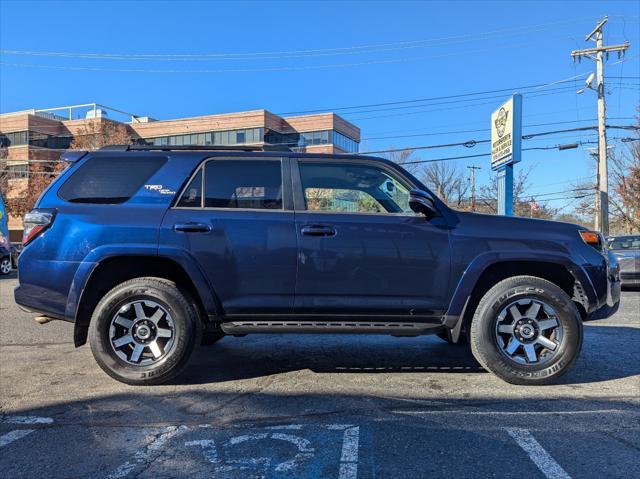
484, 273
113, 270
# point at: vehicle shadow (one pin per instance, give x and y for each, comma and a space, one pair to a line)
265, 355
604, 357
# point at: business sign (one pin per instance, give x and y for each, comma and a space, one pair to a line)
506, 133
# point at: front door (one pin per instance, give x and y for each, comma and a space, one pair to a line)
362, 251
235, 219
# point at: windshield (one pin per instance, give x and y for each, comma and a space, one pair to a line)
625, 243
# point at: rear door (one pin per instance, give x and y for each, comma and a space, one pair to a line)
235, 219
362, 251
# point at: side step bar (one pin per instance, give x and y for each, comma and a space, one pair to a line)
315, 327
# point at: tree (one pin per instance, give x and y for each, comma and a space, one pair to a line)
100, 132
523, 205
21, 194
624, 198
447, 181
444, 179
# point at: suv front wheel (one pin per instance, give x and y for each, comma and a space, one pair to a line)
526, 330
144, 330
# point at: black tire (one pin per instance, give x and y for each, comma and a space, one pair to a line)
5, 265
187, 331
484, 336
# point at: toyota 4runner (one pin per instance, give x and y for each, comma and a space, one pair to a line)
151, 251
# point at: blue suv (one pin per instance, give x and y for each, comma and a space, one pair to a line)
152, 251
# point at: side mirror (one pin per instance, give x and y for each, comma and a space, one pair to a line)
421, 202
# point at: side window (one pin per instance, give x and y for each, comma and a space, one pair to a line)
351, 188
255, 184
192, 196
101, 180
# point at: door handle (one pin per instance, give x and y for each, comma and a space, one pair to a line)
318, 230
192, 227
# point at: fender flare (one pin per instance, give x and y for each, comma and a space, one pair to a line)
179, 256
453, 318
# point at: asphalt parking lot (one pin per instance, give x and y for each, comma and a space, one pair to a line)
316, 406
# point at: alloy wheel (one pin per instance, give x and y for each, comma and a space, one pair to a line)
142, 332
528, 331
5, 266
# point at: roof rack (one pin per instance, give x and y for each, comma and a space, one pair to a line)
194, 148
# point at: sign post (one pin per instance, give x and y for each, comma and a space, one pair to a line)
506, 149
4, 229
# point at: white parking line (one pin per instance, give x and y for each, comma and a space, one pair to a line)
515, 413
142, 455
349, 457
547, 464
25, 420
9, 437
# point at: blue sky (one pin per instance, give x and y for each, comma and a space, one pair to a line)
420, 50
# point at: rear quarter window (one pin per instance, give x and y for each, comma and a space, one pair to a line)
109, 180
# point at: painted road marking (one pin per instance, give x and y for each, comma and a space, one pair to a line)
154, 446
305, 452
547, 464
515, 413
349, 457
25, 420
214, 453
208, 447
9, 437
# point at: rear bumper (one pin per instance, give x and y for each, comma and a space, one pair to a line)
44, 285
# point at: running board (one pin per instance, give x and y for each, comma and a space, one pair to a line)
315, 327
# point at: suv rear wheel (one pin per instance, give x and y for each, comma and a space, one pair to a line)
144, 330
526, 330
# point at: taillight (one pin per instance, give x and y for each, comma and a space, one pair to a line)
592, 238
35, 222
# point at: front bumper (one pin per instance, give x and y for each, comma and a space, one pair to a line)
614, 287
630, 278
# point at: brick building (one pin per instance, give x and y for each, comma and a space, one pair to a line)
33, 136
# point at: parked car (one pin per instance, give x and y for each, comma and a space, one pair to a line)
5, 257
627, 251
16, 248
148, 249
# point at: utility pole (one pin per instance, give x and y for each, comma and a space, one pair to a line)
472, 172
600, 51
596, 200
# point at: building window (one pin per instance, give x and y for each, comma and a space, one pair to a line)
34, 138
344, 142
221, 138
18, 171
14, 139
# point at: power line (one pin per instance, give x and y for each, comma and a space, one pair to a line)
445, 97
471, 143
484, 129
260, 69
355, 49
